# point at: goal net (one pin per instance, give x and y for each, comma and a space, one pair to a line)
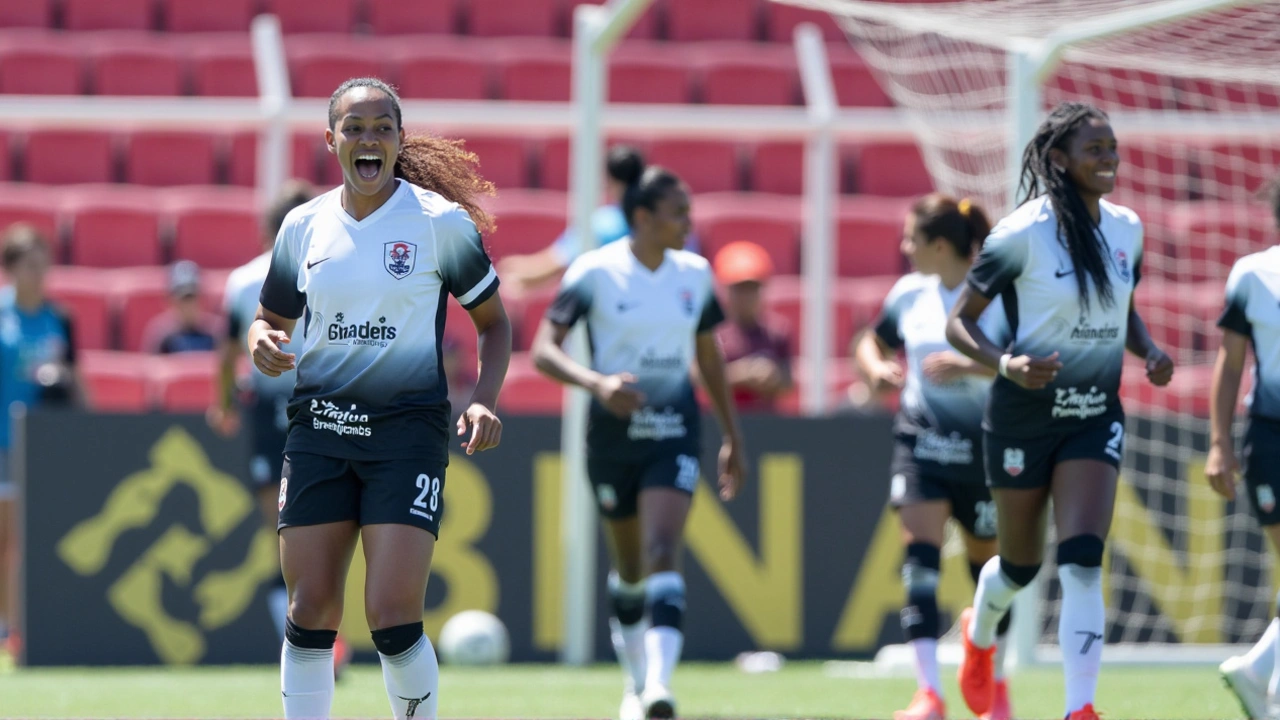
1195, 102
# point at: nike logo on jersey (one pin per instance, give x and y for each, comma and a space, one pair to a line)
1062, 273
314, 263
625, 306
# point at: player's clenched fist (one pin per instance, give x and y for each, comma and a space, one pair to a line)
264, 348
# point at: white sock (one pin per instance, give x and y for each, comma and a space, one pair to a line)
991, 601
1274, 685
628, 643
662, 647
306, 682
278, 606
926, 650
1082, 622
1002, 647
1261, 658
412, 679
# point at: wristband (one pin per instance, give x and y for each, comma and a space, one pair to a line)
1004, 364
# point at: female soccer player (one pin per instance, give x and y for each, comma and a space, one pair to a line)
937, 469
1064, 265
651, 310
1251, 317
369, 264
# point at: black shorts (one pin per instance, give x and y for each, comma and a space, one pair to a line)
1260, 459
317, 489
914, 482
617, 483
1029, 462
269, 428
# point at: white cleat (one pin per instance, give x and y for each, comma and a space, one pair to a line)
632, 708
1251, 693
659, 703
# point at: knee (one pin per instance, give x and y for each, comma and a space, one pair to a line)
1018, 575
1080, 562
387, 607
315, 607
660, 555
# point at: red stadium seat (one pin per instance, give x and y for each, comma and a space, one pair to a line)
534, 70
216, 231
781, 21
1181, 316
26, 14
185, 382
461, 331
503, 18
35, 206
689, 20
320, 64
136, 65
222, 67
85, 293
1236, 170
527, 315
839, 379
80, 15
736, 74
108, 230
6, 157
855, 84
869, 236
529, 392
527, 222
59, 157
140, 294
1208, 237
778, 167
165, 158
706, 165
645, 27
1113, 88
1185, 394
314, 16
553, 165
1218, 96
772, 223
784, 297
116, 381
1162, 169
412, 17
40, 65
649, 73
242, 162
892, 169
204, 16
444, 70
504, 160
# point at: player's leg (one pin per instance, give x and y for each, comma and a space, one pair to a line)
616, 485
8, 563
980, 551
265, 467
319, 498
401, 507
923, 524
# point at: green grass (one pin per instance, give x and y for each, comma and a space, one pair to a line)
533, 691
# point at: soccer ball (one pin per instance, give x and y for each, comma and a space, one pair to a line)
474, 637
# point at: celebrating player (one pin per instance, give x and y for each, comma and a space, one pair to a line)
369, 264
1250, 317
937, 469
1064, 265
650, 311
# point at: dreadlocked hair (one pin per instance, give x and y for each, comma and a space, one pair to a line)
441, 165
1076, 228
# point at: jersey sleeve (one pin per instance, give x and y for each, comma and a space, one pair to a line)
280, 292
1235, 314
888, 324
1003, 256
574, 298
464, 265
712, 313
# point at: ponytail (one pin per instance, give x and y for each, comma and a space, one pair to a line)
444, 166
963, 224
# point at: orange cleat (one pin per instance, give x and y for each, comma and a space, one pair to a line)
1084, 713
926, 705
1000, 708
342, 653
977, 670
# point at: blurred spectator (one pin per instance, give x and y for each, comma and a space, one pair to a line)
185, 326
37, 363
758, 363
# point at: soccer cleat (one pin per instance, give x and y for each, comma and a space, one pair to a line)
925, 705
632, 708
1251, 694
1000, 708
977, 670
658, 702
1085, 713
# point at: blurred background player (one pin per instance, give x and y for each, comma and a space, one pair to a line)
266, 398
522, 273
651, 311
185, 326
1064, 264
937, 470
37, 360
1250, 318
756, 346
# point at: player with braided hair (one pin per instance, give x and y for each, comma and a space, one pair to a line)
1064, 265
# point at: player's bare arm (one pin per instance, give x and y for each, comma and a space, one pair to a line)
615, 392
733, 462
1222, 465
493, 329
965, 335
1139, 342
266, 334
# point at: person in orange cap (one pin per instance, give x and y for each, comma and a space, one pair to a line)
756, 347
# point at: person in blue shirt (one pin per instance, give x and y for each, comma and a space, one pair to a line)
37, 361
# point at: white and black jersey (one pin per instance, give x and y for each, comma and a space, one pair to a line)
945, 420
643, 322
371, 383
1025, 263
1253, 310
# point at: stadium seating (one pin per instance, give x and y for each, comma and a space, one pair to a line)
59, 157
781, 21
314, 16
527, 391
744, 74
649, 73
221, 66
85, 294
165, 158
201, 16
215, 230
242, 162
705, 165
115, 381
533, 69
78, 15
773, 222
33, 206
527, 222
318, 64
399, 17
113, 229
528, 314
184, 382
691, 20
442, 70
26, 14
869, 235
504, 159
891, 168
34, 63
134, 64
646, 27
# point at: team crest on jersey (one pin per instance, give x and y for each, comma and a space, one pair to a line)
399, 258
686, 299
1015, 461
1122, 265
1266, 498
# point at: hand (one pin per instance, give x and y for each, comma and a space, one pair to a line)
224, 421
765, 375
486, 428
1033, 373
732, 468
264, 347
618, 396
1159, 367
942, 368
1221, 468
886, 377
